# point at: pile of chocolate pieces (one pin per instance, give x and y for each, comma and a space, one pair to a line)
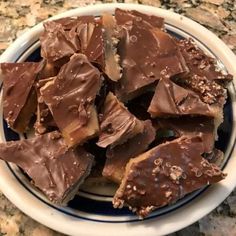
121, 97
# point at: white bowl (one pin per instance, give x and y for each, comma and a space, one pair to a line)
74, 222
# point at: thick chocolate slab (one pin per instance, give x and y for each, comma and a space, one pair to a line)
70, 97
117, 124
118, 156
54, 168
165, 174
19, 96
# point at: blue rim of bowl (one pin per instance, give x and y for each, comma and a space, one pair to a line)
184, 201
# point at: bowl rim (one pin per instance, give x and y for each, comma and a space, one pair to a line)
165, 224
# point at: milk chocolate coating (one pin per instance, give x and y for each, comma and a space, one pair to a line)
146, 55
118, 156
54, 168
56, 43
201, 64
117, 124
18, 81
110, 34
44, 120
171, 99
203, 127
95, 51
70, 97
165, 174
216, 157
126, 17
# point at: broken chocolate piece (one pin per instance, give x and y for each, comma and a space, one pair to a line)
56, 43
55, 169
117, 123
70, 97
171, 99
200, 64
209, 91
95, 50
203, 127
19, 97
118, 156
112, 67
44, 120
127, 17
146, 56
165, 174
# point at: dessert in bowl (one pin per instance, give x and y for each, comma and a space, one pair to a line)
124, 99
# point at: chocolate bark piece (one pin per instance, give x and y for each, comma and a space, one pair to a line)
118, 156
56, 43
117, 124
209, 91
95, 50
200, 64
165, 174
126, 17
171, 99
44, 120
70, 97
54, 168
19, 96
203, 127
112, 67
146, 56
50, 69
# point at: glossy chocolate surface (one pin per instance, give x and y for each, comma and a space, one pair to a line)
164, 174
70, 97
54, 169
117, 123
19, 97
118, 156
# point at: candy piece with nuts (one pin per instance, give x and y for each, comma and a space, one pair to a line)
70, 97
165, 174
19, 95
117, 123
171, 99
54, 168
119, 156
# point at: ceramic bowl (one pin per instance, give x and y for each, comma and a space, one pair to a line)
91, 212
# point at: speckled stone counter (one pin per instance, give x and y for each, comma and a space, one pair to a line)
17, 16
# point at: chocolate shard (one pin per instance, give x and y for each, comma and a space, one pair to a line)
209, 91
112, 59
50, 69
117, 123
162, 59
70, 97
127, 17
171, 99
165, 174
95, 50
118, 156
56, 43
19, 96
55, 169
203, 127
200, 64
44, 120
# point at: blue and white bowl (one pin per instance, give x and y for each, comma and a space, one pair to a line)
91, 212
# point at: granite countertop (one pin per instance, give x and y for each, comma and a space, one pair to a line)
17, 16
